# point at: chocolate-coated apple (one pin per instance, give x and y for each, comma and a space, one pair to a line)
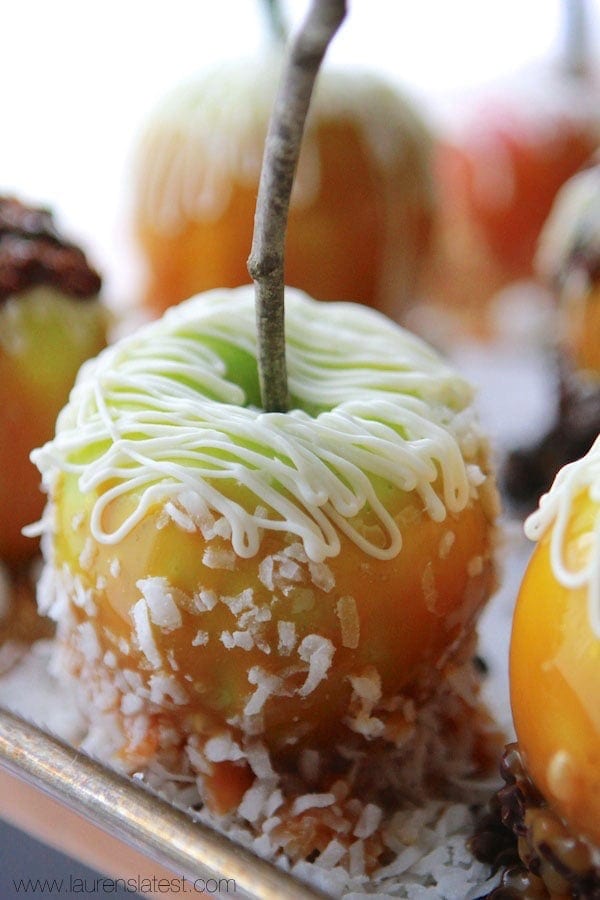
50, 322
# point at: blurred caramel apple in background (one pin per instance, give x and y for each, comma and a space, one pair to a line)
504, 154
515, 155
361, 210
51, 321
568, 262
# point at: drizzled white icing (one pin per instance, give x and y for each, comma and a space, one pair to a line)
209, 134
555, 510
572, 230
158, 416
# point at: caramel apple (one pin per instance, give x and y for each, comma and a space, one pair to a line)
50, 322
231, 585
362, 208
551, 801
513, 158
503, 155
567, 261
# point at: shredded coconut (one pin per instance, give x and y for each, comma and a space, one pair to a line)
165, 688
318, 652
266, 686
287, 637
311, 801
161, 605
143, 633
349, 621
217, 558
223, 747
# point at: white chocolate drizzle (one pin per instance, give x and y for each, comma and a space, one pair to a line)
160, 416
555, 509
569, 245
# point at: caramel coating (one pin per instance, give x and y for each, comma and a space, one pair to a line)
555, 679
274, 644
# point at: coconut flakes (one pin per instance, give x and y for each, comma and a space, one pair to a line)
430, 592
241, 602
318, 652
86, 557
333, 853
347, 613
165, 688
88, 642
265, 573
219, 558
311, 801
260, 762
110, 660
131, 704
143, 633
266, 686
223, 747
242, 639
287, 637
83, 598
446, 543
253, 801
321, 576
368, 821
162, 608
205, 600
475, 566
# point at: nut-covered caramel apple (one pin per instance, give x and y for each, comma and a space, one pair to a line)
362, 209
50, 322
551, 801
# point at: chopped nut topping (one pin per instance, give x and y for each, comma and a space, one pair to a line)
32, 252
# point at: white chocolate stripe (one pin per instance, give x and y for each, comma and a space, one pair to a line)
401, 417
555, 509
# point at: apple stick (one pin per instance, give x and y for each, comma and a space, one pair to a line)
276, 21
576, 38
282, 149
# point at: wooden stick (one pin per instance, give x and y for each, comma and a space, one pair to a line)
276, 21
576, 38
282, 149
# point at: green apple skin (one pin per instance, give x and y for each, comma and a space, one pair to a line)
45, 336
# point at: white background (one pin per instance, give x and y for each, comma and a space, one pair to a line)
79, 77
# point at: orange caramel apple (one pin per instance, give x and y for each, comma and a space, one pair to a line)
555, 649
542, 827
568, 260
50, 322
280, 616
226, 577
362, 208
